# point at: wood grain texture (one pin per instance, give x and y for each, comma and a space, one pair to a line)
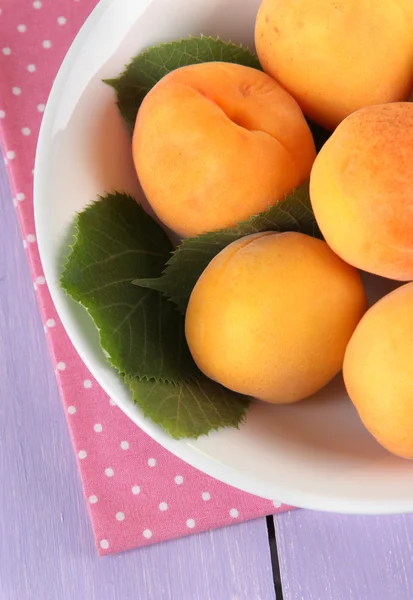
47, 550
341, 557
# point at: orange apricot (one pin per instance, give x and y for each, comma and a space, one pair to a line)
272, 314
378, 371
361, 190
215, 143
336, 56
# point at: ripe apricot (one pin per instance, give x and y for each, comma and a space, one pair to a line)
336, 56
215, 143
378, 371
361, 190
272, 314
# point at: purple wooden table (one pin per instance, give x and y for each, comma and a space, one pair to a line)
46, 544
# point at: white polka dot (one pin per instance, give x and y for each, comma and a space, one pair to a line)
20, 197
10, 155
21, 28
24, 244
163, 506
49, 322
190, 523
147, 534
87, 384
61, 366
61, 20
6, 51
206, 496
98, 428
136, 490
2, 114
233, 513
124, 445
82, 454
112, 402
109, 472
152, 462
277, 503
41, 107
26, 131
120, 516
104, 544
15, 204
71, 410
93, 499
37, 4
16, 90
31, 68
47, 44
179, 479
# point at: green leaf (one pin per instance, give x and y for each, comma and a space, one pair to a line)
191, 408
150, 66
141, 332
189, 260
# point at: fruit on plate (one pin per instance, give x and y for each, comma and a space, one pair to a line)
215, 143
362, 190
272, 314
378, 370
336, 56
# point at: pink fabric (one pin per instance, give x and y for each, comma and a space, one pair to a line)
137, 492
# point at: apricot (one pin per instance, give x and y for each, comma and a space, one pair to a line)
336, 56
378, 371
272, 314
215, 143
361, 190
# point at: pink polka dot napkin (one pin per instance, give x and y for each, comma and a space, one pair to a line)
137, 492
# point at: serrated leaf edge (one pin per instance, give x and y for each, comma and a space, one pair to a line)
112, 81
236, 425
72, 294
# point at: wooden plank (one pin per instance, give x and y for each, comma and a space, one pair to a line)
46, 543
341, 557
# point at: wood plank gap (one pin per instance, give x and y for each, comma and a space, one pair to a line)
274, 558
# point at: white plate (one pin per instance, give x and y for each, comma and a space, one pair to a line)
315, 454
